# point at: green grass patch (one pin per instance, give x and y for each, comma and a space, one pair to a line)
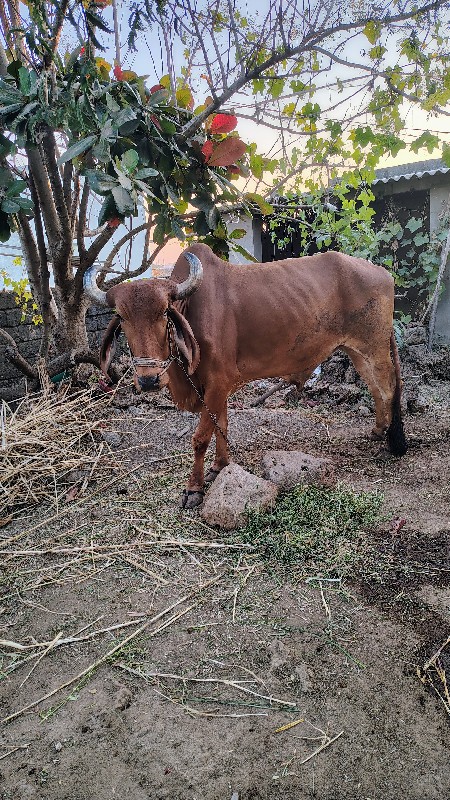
314, 526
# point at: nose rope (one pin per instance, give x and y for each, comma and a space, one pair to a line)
138, 361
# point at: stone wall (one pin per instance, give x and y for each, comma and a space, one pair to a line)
27, 336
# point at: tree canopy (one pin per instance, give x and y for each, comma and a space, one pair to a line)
83, 133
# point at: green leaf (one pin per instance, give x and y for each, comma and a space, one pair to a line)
426, 139
372, 31
167, 125
276, 88
10, 206
100, 182
178, 230
24, 81
10, 109
265, 207
420, 239
446, 154
123, 200
160, 96
111, 104
159, 233
201, 226
125, 115
77, 149
130, 160
101, 151
16, 188
238, 233
25, 203
147, 172
243, 252
107, 211
414, 224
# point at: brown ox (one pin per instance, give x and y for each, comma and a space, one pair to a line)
214, 326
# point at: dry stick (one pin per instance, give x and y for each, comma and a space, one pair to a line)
47, 650
145, 569
431, 661
112, 549
197, 713
322, 747
121, 644
71, 639
10, 752
277, 388
233, 684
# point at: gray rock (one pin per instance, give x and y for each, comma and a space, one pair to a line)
232, 494
112, 438
288, 468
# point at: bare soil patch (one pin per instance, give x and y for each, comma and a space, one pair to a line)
195, 657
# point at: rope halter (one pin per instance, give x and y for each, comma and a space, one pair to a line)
156, 363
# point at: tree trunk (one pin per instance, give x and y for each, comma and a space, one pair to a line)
69, 333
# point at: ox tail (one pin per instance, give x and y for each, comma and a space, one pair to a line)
395, 433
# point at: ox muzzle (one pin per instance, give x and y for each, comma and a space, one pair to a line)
151, 383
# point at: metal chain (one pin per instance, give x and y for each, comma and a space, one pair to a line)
179, 361
153, 362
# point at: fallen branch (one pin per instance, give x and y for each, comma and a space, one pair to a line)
277, 388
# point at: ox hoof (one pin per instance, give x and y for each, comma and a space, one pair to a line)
192, 498
211, 475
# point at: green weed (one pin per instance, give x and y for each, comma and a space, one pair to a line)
314, 526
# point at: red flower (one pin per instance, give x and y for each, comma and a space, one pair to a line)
114, 222
118, 73
82, 51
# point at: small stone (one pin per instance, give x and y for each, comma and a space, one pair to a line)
111, 438
233, 493
58, 746
364, 411
288, 468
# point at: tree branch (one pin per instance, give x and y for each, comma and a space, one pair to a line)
55, 34
310, 43
15, 357
46, 202
82, 216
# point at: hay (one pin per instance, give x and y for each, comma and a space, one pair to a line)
47, 445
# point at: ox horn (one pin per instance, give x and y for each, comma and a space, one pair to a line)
90, 286
194, 280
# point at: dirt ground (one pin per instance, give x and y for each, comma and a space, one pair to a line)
223, 678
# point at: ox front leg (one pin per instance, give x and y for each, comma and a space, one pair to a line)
222, 457
193, 494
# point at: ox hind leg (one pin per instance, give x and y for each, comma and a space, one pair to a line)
383, 380
211, 421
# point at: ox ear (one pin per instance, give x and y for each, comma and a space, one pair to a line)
109, 344
184, 339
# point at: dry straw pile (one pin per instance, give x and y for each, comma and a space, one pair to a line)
48, 445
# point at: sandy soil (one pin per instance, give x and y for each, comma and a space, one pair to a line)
267, 649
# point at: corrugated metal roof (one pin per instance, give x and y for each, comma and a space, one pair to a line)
434, 166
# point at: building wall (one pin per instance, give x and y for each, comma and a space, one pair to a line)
12, 381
